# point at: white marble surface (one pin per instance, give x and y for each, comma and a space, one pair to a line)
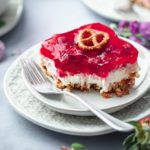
40, 19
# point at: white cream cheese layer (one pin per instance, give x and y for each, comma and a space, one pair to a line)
102, 83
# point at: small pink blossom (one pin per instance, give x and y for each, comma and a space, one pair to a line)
2, 48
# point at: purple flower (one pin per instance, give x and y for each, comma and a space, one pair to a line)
136, 39
134, 27
147, 46
2, 48
122, 25
145, 30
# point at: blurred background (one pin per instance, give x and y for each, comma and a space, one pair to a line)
24, 23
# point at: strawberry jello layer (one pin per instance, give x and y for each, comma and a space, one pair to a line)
68, 57
65, 60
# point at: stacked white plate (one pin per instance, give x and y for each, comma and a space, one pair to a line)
107, 9
63, 114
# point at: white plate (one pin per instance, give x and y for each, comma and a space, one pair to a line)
106, 9
11, 16
32, 109
68, 105
143, 13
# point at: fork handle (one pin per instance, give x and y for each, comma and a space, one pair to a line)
107, 118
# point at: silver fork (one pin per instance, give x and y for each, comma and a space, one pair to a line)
35, 76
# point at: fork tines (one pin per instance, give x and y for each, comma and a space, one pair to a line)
33, 72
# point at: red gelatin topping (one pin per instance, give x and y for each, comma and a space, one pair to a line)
68, 57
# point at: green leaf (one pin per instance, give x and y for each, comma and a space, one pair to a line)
138, 35
146, 137
77, 146
129, 139
2, 22
132, 147
143, 147
126, 29
148, 146
135, 123
148, 42
125, 34
148, 142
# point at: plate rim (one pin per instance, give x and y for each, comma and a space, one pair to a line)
86, 2
117, 19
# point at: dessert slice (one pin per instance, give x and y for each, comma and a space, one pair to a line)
90, 57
